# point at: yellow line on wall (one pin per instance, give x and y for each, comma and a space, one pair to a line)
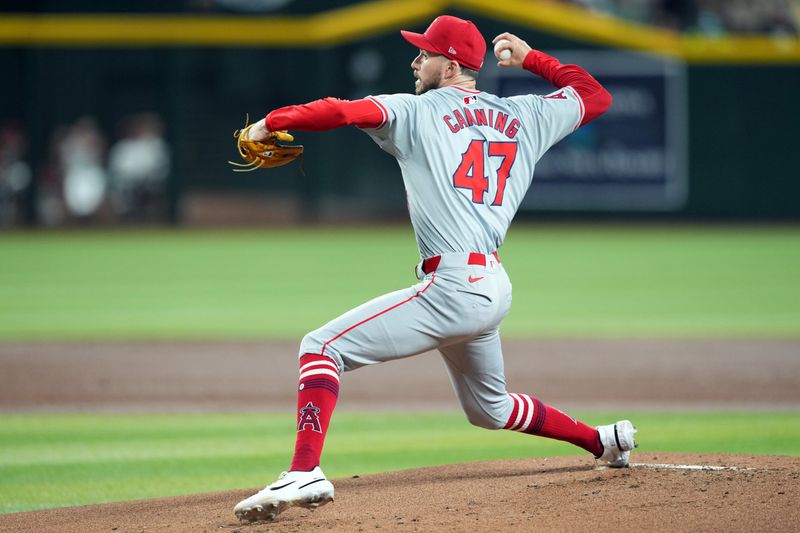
324, 29
94, 30
755, 50
366, 19
372, 18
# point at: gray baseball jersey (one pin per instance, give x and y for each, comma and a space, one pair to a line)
467, 160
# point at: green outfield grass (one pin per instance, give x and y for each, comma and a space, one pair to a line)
611, 281
51, 460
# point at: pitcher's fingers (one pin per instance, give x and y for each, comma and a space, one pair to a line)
504, 35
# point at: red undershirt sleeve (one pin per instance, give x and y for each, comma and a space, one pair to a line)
596, 99
326, 114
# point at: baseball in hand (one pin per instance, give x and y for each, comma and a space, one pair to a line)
502, 50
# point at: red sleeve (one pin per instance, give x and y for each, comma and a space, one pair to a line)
595, 98
326, 114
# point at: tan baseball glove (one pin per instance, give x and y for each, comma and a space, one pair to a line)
267, 153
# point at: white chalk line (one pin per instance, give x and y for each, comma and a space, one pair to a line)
690, 467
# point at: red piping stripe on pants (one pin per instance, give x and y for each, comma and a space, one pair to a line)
376, 315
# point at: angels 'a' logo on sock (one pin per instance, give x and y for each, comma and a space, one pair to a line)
308, 417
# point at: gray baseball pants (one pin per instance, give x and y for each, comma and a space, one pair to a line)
455, 309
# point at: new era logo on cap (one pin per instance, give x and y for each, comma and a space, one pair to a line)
452, 37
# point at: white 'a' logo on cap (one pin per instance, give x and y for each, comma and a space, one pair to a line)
452, 51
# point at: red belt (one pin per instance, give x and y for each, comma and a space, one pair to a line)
432, 263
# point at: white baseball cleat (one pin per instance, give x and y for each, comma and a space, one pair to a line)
293, 489
618, 441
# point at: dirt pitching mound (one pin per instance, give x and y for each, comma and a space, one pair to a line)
660, 492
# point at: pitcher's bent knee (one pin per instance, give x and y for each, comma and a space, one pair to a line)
488, 411
313, 343
485, 420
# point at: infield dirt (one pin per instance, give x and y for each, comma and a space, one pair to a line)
557, 494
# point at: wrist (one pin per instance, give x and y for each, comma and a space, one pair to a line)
533, 61
257, 131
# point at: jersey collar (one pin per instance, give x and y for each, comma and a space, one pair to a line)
462, 89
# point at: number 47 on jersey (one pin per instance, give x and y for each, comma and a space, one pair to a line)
471, 174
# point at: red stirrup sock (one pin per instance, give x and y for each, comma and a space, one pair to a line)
535, 418
316, 398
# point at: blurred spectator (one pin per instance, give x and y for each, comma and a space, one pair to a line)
714, 17
678, 15
139, 164
81, 154
765, 16
15, 174
49, 178
709, 17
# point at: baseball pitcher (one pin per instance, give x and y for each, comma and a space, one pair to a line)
467, 158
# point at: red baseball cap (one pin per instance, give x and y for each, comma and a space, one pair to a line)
452, 37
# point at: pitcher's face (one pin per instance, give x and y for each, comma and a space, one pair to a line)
428, 69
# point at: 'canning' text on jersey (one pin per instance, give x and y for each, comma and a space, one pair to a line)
468, 117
